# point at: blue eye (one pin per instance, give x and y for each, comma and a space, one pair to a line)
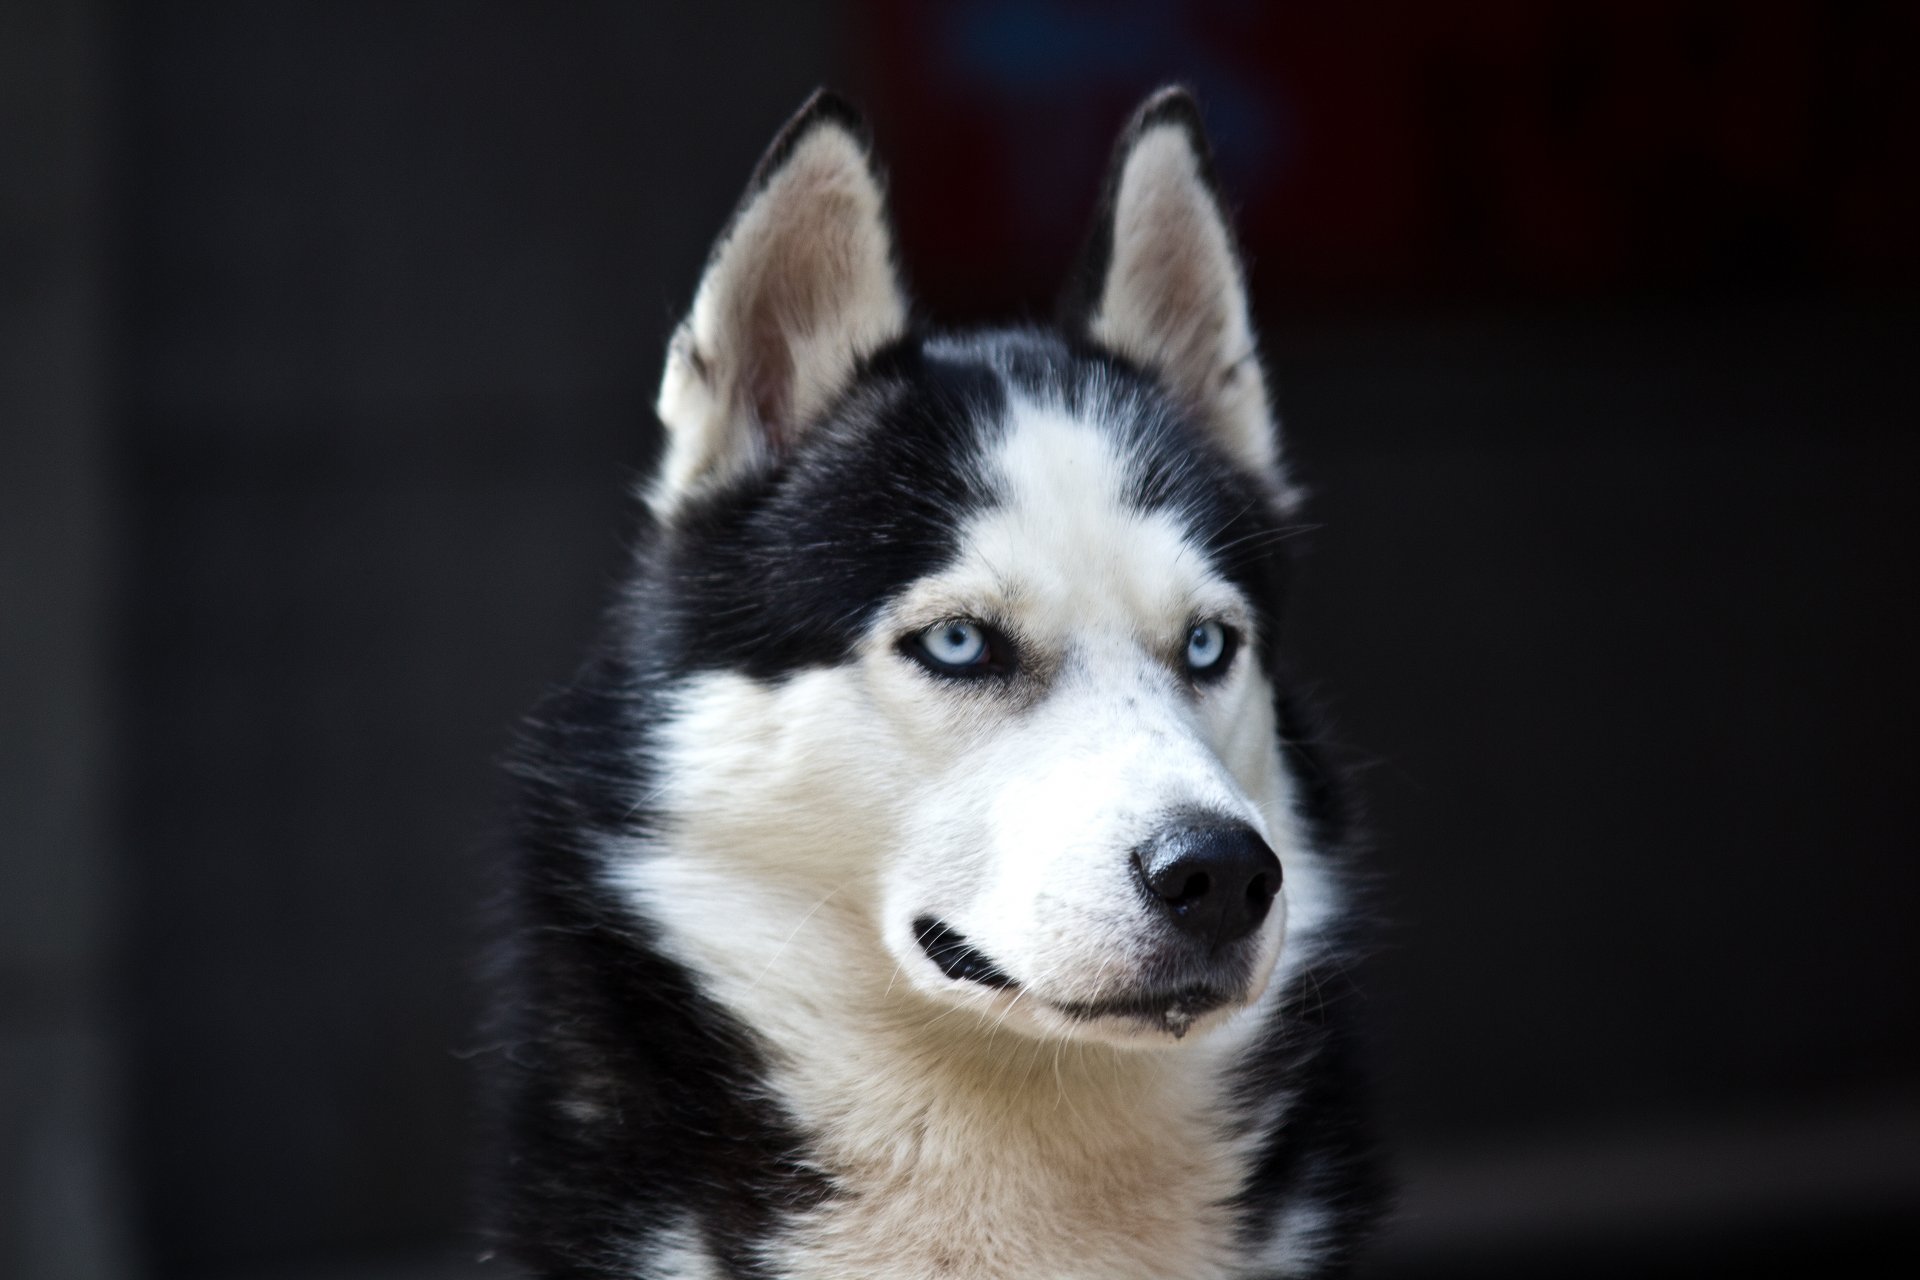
956, 645
1209, 646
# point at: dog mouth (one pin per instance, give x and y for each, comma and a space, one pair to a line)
1173, 1009
954, 956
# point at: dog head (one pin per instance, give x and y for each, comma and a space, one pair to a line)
970, 639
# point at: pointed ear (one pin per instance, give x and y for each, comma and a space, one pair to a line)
800, 286
1160, 281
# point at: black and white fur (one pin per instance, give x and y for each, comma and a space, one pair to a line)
833, 962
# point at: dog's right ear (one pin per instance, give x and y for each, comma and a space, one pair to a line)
800, 286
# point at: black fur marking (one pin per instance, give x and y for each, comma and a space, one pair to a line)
1323, 1153
630, 1102
957, 958
1310, 1057
1322, 800
785, 569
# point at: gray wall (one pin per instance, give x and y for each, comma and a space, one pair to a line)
396, 281
61, 1212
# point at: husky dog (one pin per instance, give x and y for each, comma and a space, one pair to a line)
930, 874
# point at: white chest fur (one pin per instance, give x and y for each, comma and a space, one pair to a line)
1019, 1159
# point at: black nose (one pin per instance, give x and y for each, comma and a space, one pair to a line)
1215, 880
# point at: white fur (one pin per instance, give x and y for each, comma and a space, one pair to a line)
976, 1132
1299, 1241
677, 1253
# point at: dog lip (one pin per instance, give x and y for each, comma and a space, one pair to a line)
955, 956
1163, 1007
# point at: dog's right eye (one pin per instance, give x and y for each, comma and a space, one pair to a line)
959, 647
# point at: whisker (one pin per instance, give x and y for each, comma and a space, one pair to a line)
781, 950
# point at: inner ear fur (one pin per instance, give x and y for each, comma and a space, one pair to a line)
1160, 281
800, 286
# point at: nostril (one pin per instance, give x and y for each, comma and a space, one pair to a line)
1216, 880
1260, 894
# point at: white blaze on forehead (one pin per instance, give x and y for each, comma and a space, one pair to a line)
1067, 551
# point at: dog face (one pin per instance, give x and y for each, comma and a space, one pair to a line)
973, 636
1079, 691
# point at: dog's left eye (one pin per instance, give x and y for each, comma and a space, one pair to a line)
958, 647
1209, 648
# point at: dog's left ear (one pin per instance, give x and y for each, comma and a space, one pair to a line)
1160, 281
800, 286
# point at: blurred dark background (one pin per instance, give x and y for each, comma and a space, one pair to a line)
328, 338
